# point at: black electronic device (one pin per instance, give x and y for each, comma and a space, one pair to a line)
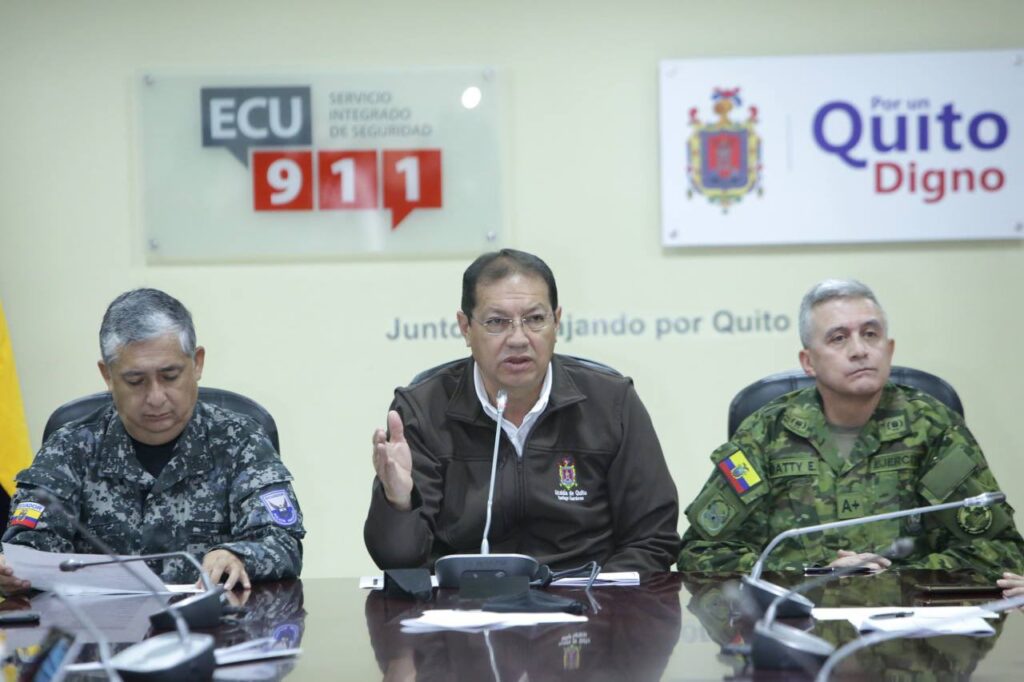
10, 618
55, 651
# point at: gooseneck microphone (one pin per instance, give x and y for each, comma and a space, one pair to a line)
502, 400
200, 611
798, 606
449, 569
168, 657
778, 646
883, 635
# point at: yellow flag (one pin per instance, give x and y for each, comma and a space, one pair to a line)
15, 451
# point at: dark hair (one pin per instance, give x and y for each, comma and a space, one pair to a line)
497, 265
141, 315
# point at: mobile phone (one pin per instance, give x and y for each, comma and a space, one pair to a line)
8, 618
831, 570
56, 649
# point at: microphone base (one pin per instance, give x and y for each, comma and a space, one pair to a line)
764, 593
450, 569
166, 658
783, 647
200, 611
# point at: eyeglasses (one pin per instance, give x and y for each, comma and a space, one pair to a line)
495, 326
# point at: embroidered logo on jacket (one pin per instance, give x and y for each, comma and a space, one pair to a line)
27, 514
570, 490
567, 473
280, 506
739, 472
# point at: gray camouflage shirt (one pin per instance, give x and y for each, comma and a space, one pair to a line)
224, 488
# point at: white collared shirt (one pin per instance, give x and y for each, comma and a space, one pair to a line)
516, 434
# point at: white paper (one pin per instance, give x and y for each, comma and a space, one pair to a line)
924, 626
928, 620
42, 569
622, 578
120, 617
450, 619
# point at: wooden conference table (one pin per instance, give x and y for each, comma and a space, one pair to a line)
671, 627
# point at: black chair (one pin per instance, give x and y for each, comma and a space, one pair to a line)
427, 373
761, 392
86, 405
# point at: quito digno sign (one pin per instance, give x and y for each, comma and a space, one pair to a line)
840, 149
313, 165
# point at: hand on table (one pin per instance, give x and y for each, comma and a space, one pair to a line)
220, 563
847, 558
1012, 584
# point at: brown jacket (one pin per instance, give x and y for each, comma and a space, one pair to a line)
592, 483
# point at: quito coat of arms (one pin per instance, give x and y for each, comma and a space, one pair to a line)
724, 156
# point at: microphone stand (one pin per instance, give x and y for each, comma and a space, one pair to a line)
798, 606
169, 657
102, 644
450, 569
778, 646
201, 611
885, 635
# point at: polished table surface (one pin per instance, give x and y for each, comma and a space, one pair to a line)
671, 627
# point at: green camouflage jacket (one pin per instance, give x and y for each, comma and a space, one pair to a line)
781, 470
225, 488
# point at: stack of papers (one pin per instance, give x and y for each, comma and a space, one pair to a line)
621, 579
473, 620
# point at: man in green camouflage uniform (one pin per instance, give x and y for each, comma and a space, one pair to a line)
854, 445
157, 470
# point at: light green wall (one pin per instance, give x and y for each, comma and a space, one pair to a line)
308, 339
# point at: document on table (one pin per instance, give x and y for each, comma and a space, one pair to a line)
925, 620
42, 569
451, 619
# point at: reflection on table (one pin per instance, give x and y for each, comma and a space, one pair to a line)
671, 627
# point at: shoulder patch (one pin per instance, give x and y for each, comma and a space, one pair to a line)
279, 504
715, 515
974, 520
27, 514
739, 473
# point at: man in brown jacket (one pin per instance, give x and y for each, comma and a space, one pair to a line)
580, 475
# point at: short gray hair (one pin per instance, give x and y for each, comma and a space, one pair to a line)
141, 315
831, 289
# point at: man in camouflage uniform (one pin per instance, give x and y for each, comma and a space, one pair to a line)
854, 445
159, 471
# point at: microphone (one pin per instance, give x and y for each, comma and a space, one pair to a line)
165, 658
450, 569
200, 611
798, 606
883, 635
778, 646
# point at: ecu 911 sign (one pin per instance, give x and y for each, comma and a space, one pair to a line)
834, 149
308, 165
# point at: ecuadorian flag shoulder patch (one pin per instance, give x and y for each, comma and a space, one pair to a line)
739, 472
27, 514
